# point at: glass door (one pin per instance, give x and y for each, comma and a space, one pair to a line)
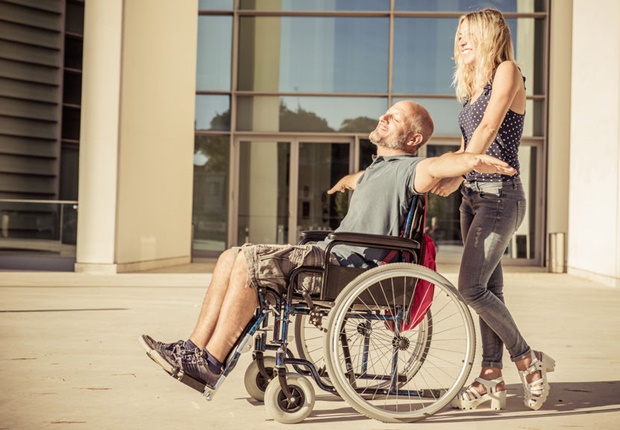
319, 167
282, 187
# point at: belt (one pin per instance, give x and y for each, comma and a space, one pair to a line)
480, 185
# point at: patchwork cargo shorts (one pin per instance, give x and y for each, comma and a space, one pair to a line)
271, 265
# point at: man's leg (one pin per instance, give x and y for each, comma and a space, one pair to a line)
237, 309
214, 297
167, 355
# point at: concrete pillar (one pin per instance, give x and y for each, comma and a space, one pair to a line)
594, 199
558, 153
137, 135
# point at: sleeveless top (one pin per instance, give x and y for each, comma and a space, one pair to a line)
505, 146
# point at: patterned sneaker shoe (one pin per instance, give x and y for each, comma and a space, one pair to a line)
164, 354
196, 367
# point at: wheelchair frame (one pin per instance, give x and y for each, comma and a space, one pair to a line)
353, 314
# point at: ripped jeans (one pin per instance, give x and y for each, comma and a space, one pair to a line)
490, 214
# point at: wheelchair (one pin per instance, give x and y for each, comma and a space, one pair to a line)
396, 342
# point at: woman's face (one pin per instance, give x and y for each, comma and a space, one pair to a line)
467, 46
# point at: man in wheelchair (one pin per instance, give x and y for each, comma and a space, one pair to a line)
379, 205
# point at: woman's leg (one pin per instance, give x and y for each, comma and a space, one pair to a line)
492, 216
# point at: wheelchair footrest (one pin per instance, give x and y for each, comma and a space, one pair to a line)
191, 382
200, 386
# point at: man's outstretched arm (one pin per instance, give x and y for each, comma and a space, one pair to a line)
348, 182
429, 171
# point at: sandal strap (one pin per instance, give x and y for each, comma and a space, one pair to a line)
535, 366
490, 384
470, 393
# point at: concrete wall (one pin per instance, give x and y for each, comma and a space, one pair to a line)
137, 134
594, 196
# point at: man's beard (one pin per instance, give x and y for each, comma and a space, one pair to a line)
394, 143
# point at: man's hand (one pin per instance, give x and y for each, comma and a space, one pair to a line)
447, 186
348, 182
483, 163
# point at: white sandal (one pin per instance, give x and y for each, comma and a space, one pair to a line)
536, 392
469, 398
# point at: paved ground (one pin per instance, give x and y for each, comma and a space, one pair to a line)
70, 357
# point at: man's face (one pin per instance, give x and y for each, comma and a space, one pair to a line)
393, 127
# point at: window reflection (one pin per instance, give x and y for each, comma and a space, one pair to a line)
215, 4
212, 113
314, 5
214, 52
263, 192
321, 165
317, 114
211, 182
469, 5
313, 54
339, 66
442, 213
423, 50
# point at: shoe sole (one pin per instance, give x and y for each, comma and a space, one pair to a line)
157, 358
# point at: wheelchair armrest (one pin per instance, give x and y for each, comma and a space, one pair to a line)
374, 240
313, 235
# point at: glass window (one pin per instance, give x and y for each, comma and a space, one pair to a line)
263, 192
213, 67
212, 113
215, 4
529, 39
423, 50
324, 5
309, 114
469, 5
442, 213
367, 150
310, 54
321, 165
534, 118
211, 182
523, 243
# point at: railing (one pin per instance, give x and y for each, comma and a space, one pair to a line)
43, 226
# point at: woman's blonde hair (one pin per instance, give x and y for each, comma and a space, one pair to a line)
490, 33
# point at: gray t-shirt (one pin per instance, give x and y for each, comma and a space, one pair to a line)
379, 205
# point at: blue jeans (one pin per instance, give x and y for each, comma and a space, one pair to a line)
490, 214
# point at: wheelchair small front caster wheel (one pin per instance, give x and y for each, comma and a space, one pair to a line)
294, 410
255, 382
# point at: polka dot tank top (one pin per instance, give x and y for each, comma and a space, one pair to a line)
505, 146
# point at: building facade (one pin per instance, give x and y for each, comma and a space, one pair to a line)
206, 124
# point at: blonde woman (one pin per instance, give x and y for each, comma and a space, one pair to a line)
489, 83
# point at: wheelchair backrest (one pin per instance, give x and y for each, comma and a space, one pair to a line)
413, 228
416, 218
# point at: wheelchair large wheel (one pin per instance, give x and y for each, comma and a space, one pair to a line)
388, 367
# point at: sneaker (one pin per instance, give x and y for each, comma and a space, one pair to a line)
195, 366
165, 354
